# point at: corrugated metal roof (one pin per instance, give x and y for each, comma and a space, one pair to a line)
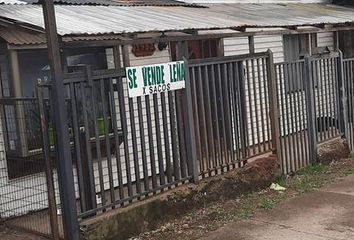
12, 2
20, 37
118, 2
91, 38
83, 20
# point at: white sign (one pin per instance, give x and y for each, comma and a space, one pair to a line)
157, 78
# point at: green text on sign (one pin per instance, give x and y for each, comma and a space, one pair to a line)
157, 78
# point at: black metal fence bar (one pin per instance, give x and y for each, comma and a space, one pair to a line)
52, 204
125, 149
231, 111
116, 129
234, 149
266, 103
209, 110
349, 86
303, 112
293, 115
325, 80
310, 106
235, 136
117, 137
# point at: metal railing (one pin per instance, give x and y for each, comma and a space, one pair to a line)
348, 65
23, 178
231, 111
310, 101
126, 149
123, 149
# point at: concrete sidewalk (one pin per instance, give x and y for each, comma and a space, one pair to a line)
321, 215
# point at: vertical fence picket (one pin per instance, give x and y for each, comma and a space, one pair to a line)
342, 97
52, 205
274, 111
311, 120
190, 131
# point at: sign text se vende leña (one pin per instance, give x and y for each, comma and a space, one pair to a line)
157, 78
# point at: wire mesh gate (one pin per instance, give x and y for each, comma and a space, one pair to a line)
231, 98
27, 190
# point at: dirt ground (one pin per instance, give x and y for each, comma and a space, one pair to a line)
210, 217
11, 234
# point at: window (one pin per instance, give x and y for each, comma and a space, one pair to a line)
94, 57
296, 47
21, 121
31, 71
20, 118
199, 49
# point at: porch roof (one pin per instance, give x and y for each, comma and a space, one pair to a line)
115, 20
109, 2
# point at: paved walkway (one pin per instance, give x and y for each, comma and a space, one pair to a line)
321, 215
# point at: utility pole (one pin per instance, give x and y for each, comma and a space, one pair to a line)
62, 145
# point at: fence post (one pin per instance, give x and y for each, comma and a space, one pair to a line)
311, 111
52, 205
273, 104
62, 141
342, 97
184, 115
190, 131
88, 201
241, 92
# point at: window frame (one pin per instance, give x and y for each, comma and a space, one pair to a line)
296, 47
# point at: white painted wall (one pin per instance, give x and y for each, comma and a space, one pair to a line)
235, 46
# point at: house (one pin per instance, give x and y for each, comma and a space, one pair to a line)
114, 34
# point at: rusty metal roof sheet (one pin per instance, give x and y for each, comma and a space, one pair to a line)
91, 38
12, 2
86, 20
20, 36
117, 2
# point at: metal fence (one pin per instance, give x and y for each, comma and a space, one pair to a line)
122, 149
349, 86
293, 115
309, 99
325, 86
230, 106
126, 149
23, 178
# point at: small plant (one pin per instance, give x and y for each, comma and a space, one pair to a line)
313, 169
304, 184
281, 181
349, 172
244, 213
266, 203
